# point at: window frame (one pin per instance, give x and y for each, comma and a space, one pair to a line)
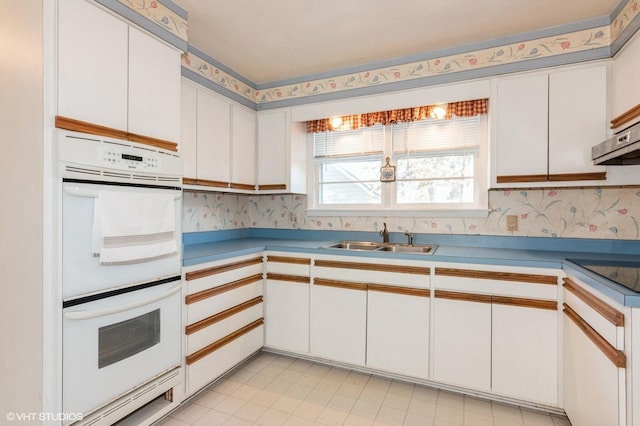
389, 205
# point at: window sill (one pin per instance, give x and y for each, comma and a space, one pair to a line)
480, 213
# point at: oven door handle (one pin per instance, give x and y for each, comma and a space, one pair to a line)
81, 315
92, 193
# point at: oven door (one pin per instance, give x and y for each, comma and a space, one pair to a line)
82, 272
114, 344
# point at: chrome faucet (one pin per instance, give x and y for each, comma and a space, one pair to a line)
409, 237
385, 234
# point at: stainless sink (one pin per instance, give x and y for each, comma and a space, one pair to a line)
404, 248
386, 247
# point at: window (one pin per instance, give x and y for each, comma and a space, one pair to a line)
440, 168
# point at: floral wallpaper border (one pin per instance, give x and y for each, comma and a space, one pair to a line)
595, 213
507, 54
161, 15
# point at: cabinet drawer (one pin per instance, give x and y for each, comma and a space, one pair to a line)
514, 284
210, 302
605, 319
288, 265
226, 353
204, 278
374, 273
217, 326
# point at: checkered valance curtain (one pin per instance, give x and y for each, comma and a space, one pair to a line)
453, 109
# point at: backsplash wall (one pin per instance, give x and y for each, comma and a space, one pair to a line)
606, 213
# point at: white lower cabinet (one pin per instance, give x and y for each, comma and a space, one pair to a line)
497, 331
524, 352
594, 362
287, 289
398, 330
224, 317
462, 340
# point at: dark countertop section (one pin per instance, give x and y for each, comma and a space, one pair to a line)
205, 247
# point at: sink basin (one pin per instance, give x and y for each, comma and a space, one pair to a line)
404, 248
355, 245
388, 247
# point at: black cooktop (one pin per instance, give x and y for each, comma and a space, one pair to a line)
621, 272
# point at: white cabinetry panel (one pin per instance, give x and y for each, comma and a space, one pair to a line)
92, 65
243, 143
214, 138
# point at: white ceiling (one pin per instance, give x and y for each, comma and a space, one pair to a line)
272, 40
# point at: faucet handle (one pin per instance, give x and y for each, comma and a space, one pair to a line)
409, 235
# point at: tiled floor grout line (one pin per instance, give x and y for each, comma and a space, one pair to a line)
272, 389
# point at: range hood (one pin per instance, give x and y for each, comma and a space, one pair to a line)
621, 149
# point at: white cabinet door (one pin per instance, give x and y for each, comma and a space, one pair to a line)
398, 333
625, 85
522, 126
339, 323
272, 146
188, 130
154, 87
577, 118
92, 65
244, 147
524, 353
287, 315
462, 343
591, 381
214, 137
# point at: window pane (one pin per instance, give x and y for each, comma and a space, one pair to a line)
350, 171
442, 166
350, 193
435, 191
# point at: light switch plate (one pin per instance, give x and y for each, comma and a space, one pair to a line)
512, 222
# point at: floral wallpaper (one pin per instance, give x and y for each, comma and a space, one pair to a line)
158, 13
604, 213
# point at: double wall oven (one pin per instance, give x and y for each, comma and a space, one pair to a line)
121, 275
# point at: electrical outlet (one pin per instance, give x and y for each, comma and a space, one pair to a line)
512, 222
293, 219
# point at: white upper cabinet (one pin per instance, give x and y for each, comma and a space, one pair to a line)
243, 131
545, 125
625, 85
188, 130
282, 153
113, 75
92, 65
154, 87
214, 138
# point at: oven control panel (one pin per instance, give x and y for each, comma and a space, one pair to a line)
125, 158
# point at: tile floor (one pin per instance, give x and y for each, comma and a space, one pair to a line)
271, 389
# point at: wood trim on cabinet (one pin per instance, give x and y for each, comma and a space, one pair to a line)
158, 143
626, 116
67, 123
418, 270
245, 186
289, 278
465, 297
292, 260
272, 187
194, 275
525, 303
571, 177
95, 129
348, 285
211, 292
607, 311
408, 291
616, 356
521, 178
197, 326
495, 275
207, 350
205, 182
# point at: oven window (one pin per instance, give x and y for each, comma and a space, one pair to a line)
124, 339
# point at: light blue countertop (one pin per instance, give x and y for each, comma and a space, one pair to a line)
205, 247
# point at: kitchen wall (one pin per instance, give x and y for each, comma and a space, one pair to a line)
605, 213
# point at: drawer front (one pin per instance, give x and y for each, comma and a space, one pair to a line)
208, 368
238, 292
223, 324
373, 273
288, 265
212, 276
511, 284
